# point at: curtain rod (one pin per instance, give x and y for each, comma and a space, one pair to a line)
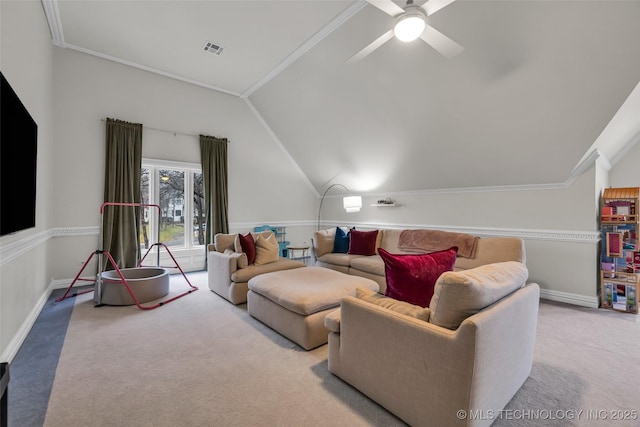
174, 132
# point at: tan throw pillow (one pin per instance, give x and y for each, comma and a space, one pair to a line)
223, 241
393, 304
265, 233
461, 294
238, 245
267, 249
324, 241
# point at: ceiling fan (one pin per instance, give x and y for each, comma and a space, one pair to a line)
411, 23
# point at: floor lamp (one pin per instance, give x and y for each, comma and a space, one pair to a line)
350, 203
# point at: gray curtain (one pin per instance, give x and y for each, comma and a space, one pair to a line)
123, 166
213, 153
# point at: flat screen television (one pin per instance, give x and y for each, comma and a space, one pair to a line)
18, 163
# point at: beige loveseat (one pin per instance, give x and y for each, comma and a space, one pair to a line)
485, 250
457, 363
229, 271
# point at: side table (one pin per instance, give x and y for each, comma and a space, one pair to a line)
303, 249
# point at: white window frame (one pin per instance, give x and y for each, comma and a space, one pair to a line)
188, 249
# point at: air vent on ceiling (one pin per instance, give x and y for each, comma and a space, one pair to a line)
213, 48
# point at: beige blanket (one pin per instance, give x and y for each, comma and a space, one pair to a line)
437, 240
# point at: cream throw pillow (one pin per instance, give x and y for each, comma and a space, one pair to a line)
241, 258
393, 304
267, 249
324, 241
460, 294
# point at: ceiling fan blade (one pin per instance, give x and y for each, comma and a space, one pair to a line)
432, 6
371, 47
387, 6
443, 44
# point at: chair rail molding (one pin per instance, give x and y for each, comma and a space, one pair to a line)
13, 250
526, 234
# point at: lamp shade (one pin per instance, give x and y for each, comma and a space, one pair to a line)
410, 25
352, 203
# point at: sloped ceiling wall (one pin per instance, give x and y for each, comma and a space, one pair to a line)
535, 86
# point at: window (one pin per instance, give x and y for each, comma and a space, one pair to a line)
177, 189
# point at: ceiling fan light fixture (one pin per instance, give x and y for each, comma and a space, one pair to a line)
410, 25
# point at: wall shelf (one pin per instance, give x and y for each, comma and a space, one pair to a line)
386, 205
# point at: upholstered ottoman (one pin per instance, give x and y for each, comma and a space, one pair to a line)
295, 302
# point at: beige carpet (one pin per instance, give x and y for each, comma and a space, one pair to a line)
200, 361
197, 361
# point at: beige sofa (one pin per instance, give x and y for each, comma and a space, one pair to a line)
486, 250
457, 363
229, 271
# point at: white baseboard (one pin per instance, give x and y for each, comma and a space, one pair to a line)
12, 349
575, 299
60, 284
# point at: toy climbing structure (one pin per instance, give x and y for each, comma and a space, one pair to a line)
120, 278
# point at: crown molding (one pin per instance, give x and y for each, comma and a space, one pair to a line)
584, 165
282, 148
52, 14
625, 149
150, 69
343, 17
55, 27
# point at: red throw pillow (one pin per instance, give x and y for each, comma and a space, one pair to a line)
412, 278
248, 247
363, 242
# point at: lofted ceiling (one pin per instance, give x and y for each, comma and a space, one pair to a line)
522, 105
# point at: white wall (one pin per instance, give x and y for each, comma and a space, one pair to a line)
264, 187
559, 227
69, 94
25, 60
626, 173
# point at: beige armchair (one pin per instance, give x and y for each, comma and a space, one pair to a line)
229, 271
472, 355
